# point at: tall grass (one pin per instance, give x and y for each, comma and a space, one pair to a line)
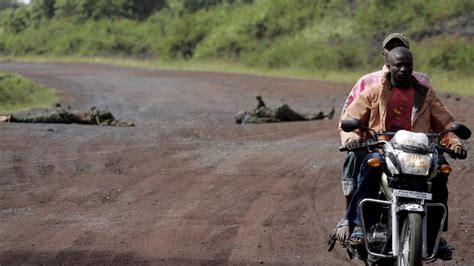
19, 94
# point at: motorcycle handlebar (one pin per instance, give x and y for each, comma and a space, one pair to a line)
453, 154
343, 148
364, 145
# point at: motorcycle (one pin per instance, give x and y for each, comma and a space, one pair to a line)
400, 235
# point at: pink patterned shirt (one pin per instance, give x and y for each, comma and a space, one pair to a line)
375, 78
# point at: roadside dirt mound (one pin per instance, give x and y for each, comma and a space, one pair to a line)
186, 185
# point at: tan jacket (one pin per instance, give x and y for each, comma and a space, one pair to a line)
428, 114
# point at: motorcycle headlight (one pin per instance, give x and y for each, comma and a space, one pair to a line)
414, 164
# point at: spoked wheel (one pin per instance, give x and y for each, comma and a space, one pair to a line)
411, 241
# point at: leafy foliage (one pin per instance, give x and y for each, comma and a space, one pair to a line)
42, 9
18, 93
8, 4
447, 53
274, 34
95, 9
15, 20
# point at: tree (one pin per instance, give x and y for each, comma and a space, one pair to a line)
73, 8
85, 9
8, 4
195, 5
142, 9
15, 20
42, 9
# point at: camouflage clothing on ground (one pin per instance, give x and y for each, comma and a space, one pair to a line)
284, 113
94, 117
60, 116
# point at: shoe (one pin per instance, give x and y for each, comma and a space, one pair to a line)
357, 236
444, 250
5, 118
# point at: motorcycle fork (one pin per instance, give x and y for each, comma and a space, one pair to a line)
420, 207
396, 210
395, 229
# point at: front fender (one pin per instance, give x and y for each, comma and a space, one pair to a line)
411, 207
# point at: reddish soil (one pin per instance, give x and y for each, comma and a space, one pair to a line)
186, 185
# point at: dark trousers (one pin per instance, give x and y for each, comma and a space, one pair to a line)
368, 184
350, 171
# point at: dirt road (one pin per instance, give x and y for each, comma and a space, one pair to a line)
186, 185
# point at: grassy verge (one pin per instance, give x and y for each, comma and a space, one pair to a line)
20, 94
450, 82
453, 83
214, 66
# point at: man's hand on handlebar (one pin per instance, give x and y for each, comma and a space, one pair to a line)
459, 151
356, 144
353, 143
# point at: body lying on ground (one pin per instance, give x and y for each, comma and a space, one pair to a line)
62, 116
263, 114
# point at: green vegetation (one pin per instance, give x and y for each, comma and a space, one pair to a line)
329, 38
18, 94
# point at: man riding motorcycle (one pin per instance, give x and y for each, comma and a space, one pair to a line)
353, 158
398, 102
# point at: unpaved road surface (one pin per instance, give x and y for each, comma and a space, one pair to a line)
186, 185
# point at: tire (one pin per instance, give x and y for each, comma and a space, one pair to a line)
411, 241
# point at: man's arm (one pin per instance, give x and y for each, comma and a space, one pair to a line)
360, 109
364, 82
442, 119
353, 94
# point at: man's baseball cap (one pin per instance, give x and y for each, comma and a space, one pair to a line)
396, 35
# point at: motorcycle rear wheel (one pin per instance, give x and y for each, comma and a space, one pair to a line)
411, 241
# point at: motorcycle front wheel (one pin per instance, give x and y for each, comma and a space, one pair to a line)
411, 240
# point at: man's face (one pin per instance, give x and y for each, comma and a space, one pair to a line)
400, 65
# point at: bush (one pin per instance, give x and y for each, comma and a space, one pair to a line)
18, 93
326, 34
446, 53
417, 19
228, 39
15, 21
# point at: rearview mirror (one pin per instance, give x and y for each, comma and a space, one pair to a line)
349, 125
461, 131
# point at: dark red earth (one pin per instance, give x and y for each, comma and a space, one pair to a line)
186, 185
